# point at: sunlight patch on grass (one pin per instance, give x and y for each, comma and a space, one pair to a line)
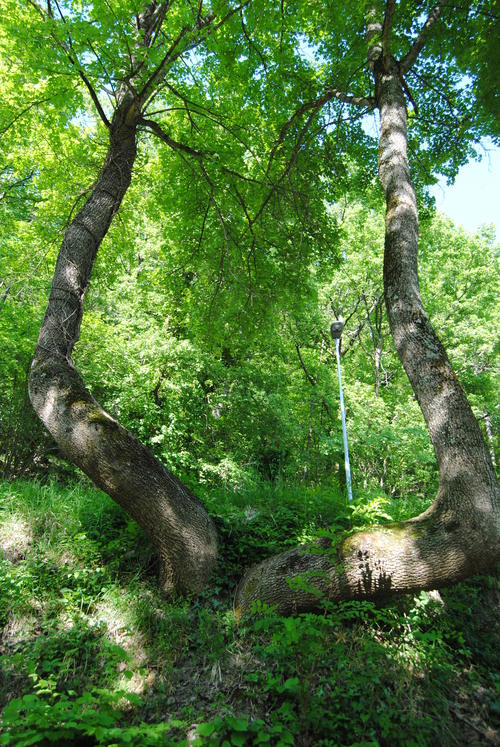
17, 629
133, 673
16, 538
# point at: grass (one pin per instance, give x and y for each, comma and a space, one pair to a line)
91, 653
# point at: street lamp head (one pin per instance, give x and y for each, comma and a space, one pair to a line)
336, 329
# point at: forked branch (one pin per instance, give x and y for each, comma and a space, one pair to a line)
316, 104
409, 59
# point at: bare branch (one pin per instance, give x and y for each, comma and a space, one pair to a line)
5, 294
233, 172
355, 335
154, 23
12, 186
309, 378
225, 233
409, 94
251, 252
347, 98
228, 15
201, 30
93, 94
251, 44
193, 107
110, 80
441, 91
205, 216
409, 59
161, 70
315, 106
282, 9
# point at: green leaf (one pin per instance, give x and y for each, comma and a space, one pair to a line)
205, 729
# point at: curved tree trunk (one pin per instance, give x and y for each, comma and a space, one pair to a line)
460, 533
174, 519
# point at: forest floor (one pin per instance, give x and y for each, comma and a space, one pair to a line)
92, 654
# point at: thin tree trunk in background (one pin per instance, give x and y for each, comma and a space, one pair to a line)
305, 472
376, 337
489, 435
378, 353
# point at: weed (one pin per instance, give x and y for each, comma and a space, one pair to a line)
92, 653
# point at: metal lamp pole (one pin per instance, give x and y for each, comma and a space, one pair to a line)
336, 332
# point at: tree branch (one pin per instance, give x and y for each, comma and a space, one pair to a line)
373, 35
409, 94
386, 32
409, 59
69, 52
230, 13
26, 109
205, 216
302, 365
13, 185
93, 95
161, 70
251, 44
155, 128
347, 98
316, 104
289, 165
193, 107
203, 25
5, 294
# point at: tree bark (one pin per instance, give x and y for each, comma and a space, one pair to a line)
460, 533
176, 522
468, 486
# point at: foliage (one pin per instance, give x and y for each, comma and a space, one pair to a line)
231, 414
36, 719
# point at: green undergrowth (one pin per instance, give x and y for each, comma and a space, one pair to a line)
92, 654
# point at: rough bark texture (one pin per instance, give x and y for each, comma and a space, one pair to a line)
460, 533
468, 498
174, 519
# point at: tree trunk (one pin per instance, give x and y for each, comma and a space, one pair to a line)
460, 533
176, 522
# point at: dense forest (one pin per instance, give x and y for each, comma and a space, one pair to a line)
190, 194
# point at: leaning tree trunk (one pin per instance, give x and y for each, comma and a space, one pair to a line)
460, 533
176, 522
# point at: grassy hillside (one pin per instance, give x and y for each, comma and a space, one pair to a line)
92, 654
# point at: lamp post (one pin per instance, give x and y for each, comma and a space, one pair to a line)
336, 332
